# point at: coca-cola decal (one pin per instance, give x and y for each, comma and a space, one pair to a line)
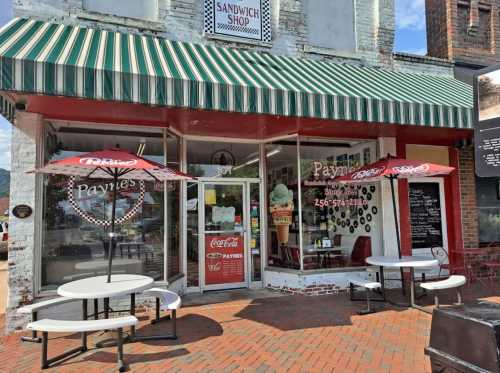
224, 259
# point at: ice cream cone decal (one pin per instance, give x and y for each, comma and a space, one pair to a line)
281, 207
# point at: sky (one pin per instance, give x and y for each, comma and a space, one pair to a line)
5, 128
410, 38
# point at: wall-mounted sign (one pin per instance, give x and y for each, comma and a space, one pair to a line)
248, 19
425, 215
22, 211
487, 121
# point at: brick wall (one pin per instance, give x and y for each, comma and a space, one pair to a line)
468, 198
26, 134
437, 31
466, 31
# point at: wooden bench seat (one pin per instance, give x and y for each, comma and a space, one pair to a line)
452, 282
33, 310
359, 281
66, 326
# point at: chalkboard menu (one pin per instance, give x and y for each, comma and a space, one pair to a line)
425, 216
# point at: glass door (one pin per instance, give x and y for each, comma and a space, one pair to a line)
224, 236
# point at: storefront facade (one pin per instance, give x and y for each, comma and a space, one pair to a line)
265, 136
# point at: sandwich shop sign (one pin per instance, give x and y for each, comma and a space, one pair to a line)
248, 19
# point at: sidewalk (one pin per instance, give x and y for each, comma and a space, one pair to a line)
272, 333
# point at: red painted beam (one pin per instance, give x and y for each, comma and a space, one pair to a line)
231, 125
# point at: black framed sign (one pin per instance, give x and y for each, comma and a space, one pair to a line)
487, 121
246, 19
425, 215
22, 211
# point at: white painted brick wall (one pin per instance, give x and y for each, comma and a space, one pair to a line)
183, 20
25, 132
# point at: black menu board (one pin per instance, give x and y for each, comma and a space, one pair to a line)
425, 216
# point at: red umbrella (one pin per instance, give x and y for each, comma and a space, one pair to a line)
113, 164
392, 168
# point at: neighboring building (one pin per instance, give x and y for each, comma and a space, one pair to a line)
264, 118
465, 32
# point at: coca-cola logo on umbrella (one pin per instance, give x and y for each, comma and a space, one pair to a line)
107, 162
365, 174
408, 170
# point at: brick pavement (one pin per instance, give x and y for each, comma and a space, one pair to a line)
272, 334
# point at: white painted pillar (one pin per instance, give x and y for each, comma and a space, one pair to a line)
387, 145
27, 144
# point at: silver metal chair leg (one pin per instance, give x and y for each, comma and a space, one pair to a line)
34, 336
119, 343
459, 297
436, 300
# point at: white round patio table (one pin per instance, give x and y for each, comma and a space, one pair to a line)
410, 262
98, 288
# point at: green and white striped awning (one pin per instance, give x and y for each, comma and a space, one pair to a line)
54, 59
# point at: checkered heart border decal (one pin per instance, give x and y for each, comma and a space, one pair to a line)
102, 222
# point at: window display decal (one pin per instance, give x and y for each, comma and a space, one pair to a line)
368, 228
223, 215
281, 208
224, 259
103, 189
374, 210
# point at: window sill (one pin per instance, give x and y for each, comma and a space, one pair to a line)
121, 21
232, 39
330, 52
315, 271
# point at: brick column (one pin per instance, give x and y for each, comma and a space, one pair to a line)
468, 198
26, 143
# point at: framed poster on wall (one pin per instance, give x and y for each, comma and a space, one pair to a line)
246, 19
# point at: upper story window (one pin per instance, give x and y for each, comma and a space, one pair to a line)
330, 24
144, 9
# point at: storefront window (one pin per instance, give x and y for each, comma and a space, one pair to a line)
340, 223
75, 211
222, 159
255, 232
173, 210
488, 196
283, 208
192, 235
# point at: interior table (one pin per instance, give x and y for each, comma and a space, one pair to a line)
95, 288
410, 262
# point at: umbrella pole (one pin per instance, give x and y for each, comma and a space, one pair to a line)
112, 231
396, 224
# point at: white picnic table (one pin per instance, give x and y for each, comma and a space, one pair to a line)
410, 262
95, 288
